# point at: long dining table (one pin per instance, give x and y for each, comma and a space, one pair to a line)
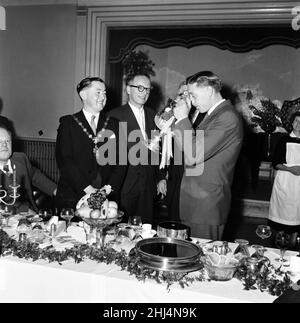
40, 281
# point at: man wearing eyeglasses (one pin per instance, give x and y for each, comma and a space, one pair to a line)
139, 189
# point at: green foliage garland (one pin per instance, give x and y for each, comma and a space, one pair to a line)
264, 279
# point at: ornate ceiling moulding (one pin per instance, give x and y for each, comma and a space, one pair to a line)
128, 14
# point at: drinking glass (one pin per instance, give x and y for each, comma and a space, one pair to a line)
6, 214
67, 214
135, 221
282, 240
259, 251
242, 247
45, 214
263, 231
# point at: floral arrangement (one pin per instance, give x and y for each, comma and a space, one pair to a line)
259, 112
274, 281
137, 62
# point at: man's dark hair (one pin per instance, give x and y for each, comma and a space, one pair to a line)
86, 82
130, 77
206, 78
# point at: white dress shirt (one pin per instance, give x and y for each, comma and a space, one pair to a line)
139, 114
88, 115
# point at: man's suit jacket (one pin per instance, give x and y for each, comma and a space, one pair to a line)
175, 173
137, 176
77, 162
206, 198
28, 175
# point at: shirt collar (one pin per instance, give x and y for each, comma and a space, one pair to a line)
88, 115
135, 109
214, 106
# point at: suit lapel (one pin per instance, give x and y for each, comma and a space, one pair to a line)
148, 122
208, 117
101, 122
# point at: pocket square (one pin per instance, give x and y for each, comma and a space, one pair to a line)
112, 136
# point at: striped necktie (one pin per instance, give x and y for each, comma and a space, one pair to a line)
93, 124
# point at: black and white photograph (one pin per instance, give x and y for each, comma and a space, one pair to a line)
149, 154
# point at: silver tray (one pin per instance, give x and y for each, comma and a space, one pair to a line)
168, 254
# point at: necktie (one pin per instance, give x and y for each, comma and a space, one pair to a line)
6, 169
93, 124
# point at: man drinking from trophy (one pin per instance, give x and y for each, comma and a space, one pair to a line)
210, 154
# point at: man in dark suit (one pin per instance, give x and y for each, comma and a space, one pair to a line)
170, 187
26, 174
140, 184
210, 156
80, 172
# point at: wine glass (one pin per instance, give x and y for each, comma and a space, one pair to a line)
45, 214
259, 251
263, 231
282, 240
6, 214
67, 214
135, 222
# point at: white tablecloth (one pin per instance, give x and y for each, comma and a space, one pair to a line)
26, 281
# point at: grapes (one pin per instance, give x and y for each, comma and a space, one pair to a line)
96, 199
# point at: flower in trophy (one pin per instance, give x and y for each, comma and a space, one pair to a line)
163, 120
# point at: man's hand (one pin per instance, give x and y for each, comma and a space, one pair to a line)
54, 192
162, 187
182, 108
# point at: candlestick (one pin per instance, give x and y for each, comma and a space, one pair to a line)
14, 183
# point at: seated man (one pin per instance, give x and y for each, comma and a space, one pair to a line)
26, 174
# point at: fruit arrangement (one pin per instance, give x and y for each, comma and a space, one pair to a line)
97, 206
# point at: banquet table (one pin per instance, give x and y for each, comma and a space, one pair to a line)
91, 282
